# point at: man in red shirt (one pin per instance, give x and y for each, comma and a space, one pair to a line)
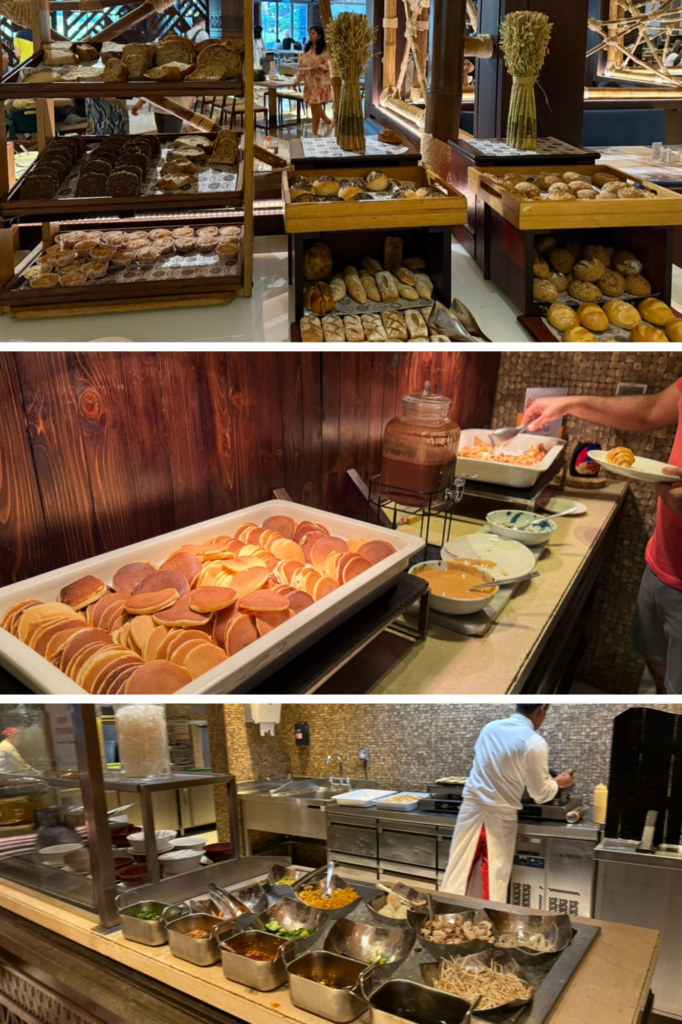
657, 627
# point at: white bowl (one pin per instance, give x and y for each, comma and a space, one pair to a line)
163, 838
188, 843
54, 855
457, 605
178, 861
510, 524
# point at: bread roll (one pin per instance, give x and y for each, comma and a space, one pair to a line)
583, 291
674, 330
373, 327
612, 283
544, 291
387, 285
354, 285
424, 285
562, 317
338, 287
311, 329
561, 260
332, 329
405, 275
656, 312
406, 291
416, 324
395, 326
637, 285
626, 263
545, 243
353, 328
369, 284
326, 185
593, 317
579, 334
372, 266
541, 269
319, 299
317, 262
376, 181
414, 263
589, 270
622, 314
645, 334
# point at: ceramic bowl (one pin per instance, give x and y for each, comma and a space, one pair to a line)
510, 524
163, 838
178, 861
54, 855
218, 851
188, 843
459, 605
134, 874
78, 861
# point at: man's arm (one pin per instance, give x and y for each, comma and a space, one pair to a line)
627, 412
539, 782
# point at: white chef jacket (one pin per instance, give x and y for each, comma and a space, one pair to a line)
510, 757
10, 758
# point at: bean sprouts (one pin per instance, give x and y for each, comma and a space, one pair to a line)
494, 985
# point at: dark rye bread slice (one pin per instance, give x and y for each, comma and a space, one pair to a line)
92, 185
123, 183
40, 186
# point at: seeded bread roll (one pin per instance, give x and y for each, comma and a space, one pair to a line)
353, 328
354, 285
544, 291
637, 285
589, 270
612, 284
541, 270
387, 285
326, 185
376, 181
369, 284
311, 329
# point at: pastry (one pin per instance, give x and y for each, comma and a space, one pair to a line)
656, 312
390, 137
311, 329
174, 182
593, 317
429, 192
354, 285
562, 317
589, 270
373, 327
73, 279
621, 457
637, 285
371, 265
415, 323
338, 287
317, 262
150, 254
404, 193
354, 329
544, 291
622, 314
205, 243
578, 334
319, 299
332, 329
387, 285
393, 254
561, 260
350, 191
641, 334
44, 281
541, 269
598, 252
395, 326
424, 285
611, 283
301, 187
584, 291
227, 251
326, 185
369, 284
376, 181
674, 330
626, 263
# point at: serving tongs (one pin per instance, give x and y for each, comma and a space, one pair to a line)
500, 438
230, 906
400, 891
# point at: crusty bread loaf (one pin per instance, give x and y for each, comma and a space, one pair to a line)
394, 325
353, 328
424, 285
416, 325
226, 149
311, 329
373, 266
332, 329
373, 327
115, 71
393, 253
406, 291
369, 284
338, 287
386, 283
354, 285
405, 275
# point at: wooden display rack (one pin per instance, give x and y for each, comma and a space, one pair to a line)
209, 292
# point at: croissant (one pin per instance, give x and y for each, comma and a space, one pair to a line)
621, 457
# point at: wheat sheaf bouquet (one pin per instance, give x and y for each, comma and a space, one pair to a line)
524, 39
351, 40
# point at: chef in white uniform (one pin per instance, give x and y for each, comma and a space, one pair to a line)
10, 758
510, 757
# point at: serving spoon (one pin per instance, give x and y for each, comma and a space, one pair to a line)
504, 435
554, 515
505, 582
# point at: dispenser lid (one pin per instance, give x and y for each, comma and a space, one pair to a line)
434, 401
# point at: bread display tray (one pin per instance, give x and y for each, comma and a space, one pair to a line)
13, 87
501, 473
244, 670
451, 208
193, 272
215, 187
663, 208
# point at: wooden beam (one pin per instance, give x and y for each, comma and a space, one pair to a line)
446, 68
124, 24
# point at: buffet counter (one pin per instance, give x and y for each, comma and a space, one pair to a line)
611, 985
531, 644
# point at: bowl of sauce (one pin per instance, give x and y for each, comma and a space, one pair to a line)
451, 582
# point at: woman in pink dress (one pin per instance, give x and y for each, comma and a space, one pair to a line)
314, 72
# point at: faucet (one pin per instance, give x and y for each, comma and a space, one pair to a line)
340, 780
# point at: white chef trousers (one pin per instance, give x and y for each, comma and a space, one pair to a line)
500, 829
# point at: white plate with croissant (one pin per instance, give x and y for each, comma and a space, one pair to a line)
624, 462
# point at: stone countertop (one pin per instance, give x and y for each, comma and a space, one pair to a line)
499, 663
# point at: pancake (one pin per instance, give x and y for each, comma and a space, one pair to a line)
40, 612
240, 633
152, 643
206, 600
83, 592
91, 667
180, 615
148, 603
264, 600
131, 575
63, 625
109, 672
140, 628
187, 564
183, 650
16, 610
84, 654
203, 659
162, 580
57, 643
96, 611
78, 642
157, 677
112, 617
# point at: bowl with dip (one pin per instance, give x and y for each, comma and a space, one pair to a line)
450, 584
516, 526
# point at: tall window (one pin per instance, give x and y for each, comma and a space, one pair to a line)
281, 19
356, 6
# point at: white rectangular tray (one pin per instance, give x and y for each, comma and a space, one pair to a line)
362, 797
244, 670
508, 475
388, 805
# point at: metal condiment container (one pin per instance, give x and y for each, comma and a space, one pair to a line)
398, 1000
149, 933
263, 975
202, 952
328, 985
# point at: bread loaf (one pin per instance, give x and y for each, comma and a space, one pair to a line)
369, 284
311, 329
319, 299
405, 275
414, 263
386, 284
424, 285
373, 327
226, 149
115, 71
338, 287
393, 254
317, 262
405, 291
373, 266
416, 325
394, 325
353, 328
332, 329
354, 285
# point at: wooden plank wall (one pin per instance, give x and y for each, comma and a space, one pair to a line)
99, 450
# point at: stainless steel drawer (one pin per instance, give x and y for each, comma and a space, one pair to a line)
408, 847
444, 844
359, 841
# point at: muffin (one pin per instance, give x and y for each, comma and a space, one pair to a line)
185, 232
589, 270
184, 245
227, 251
45, 281
96, 271
74, 279
611, 283
210, 231
206, 243
103, 252
583, 291
123, 258
37, 270
593, 317
148, 256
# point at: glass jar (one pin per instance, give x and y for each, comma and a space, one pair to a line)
420, 449
142, 736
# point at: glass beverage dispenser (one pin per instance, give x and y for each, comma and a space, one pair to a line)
419, 452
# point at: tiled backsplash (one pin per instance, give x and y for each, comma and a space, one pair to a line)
609, 662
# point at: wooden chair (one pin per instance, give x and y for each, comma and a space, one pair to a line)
291, 96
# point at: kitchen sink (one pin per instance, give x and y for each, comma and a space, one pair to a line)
311, 793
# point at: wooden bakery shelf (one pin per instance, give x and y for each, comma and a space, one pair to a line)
379, 213
663, 208
66, 205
